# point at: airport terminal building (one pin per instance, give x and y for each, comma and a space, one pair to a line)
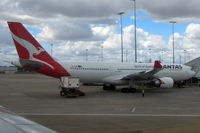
8, 69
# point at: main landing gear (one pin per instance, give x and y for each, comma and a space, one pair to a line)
124, 90
71, 92
128, 90
109, 87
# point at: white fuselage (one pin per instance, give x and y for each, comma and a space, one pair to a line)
112, 72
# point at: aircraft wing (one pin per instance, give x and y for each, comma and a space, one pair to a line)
12, 123
194, 64
144, 75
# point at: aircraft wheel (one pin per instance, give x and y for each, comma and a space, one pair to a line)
62, 93
80, 93
112, 87
109, 87
105, 87
128, 90
124, 90
132, 90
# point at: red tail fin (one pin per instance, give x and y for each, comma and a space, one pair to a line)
32, 55
157, 64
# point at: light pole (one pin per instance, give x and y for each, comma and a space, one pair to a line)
161, 56
121, 13
184, 56
134, 1
51, 49
102, 53
173, 22
86, 55
150, 55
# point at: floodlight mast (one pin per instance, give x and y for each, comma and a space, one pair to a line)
51, 49
173, 22
134, 1
121, 13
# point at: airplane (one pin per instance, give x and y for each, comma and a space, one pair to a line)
32, 56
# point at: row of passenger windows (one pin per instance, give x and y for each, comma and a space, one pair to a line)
81, 68
124, 69
143, 66
120, 69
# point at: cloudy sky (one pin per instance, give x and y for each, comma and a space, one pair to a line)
73, 26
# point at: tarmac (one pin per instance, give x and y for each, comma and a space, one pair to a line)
36, 97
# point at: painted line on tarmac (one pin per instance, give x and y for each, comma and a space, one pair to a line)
150, 115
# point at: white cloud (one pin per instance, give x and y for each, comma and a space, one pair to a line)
72, 25
166, 10
193, 31
46, 35
189, 41
111, 41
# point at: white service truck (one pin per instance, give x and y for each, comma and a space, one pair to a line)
70, 82
70, 87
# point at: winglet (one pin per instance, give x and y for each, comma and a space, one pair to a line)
157, 65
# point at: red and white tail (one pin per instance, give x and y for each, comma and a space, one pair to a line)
32, 55
157, 65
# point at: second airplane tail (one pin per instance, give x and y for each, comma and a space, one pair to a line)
32, 55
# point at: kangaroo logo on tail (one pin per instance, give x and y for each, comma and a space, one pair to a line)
32, 54
31, 49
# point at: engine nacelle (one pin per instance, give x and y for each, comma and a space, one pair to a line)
165, 82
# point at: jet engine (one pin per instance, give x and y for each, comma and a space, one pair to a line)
165, 82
